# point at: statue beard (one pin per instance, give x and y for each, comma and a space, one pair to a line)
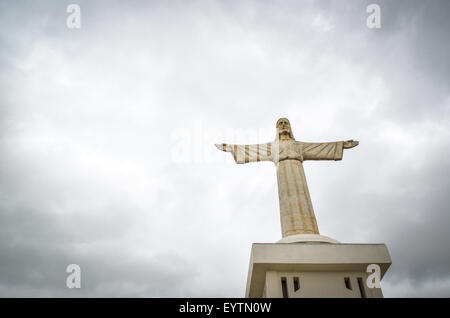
285, 133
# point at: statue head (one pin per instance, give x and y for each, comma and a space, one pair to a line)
284, 129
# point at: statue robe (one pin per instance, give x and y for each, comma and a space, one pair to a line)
296, 210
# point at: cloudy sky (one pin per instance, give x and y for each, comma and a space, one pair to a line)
107, 133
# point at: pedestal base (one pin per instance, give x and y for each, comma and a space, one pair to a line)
314, 269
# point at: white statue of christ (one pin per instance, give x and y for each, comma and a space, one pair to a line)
296, 211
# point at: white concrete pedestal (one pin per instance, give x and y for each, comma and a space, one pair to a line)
314, 267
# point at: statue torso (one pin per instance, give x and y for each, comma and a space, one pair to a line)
289, 149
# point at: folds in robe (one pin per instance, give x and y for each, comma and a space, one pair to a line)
322, 150
251, 153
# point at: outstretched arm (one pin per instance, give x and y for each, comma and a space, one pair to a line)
326, 150
248, 153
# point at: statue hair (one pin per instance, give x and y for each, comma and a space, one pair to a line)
291, 135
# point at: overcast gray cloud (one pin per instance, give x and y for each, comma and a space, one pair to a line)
107, 133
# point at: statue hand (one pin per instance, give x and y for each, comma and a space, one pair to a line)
223, 147
350, 143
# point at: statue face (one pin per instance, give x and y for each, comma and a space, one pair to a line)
283, 126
